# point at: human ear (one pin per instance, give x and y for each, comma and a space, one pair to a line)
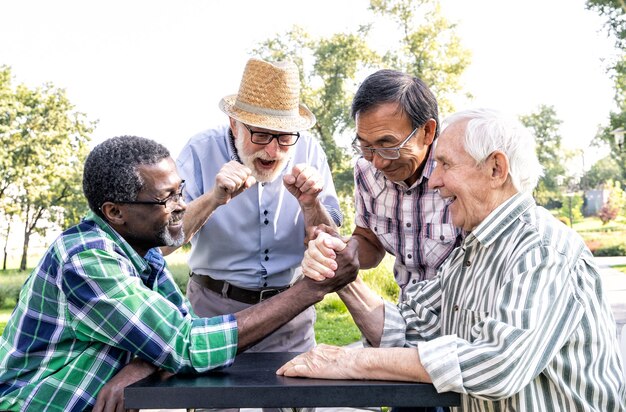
499, 166
113, 214
233, 126
430, 128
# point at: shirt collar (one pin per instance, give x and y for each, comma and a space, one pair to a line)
502, 218
139, 263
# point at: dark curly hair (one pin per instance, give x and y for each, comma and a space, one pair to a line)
411, 93
110, 172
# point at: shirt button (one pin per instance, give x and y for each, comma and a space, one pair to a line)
266, 221
468, 263
409, 256
267, 258
375, 229
408, 224
456, 308
265, 284
266, 251
414, 281
442, 237
265, 212
408, 193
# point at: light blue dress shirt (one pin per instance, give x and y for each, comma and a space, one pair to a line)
257, 239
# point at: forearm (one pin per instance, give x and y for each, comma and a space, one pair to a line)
371, 251
367, 309
198, 213
258, 321
398, 364
317, 214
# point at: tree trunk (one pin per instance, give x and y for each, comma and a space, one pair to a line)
6, 244
25, 249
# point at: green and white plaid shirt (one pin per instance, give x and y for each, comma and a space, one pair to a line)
516, 319
90, 305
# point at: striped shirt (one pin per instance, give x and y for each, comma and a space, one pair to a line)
90, 304
516, 319
412, 223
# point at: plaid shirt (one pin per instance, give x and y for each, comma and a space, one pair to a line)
412, 223
89, 306
516, 320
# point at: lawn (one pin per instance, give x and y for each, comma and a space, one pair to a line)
333, 326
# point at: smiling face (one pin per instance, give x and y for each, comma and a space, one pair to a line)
473, 191
387, 126
265, 161
145, 226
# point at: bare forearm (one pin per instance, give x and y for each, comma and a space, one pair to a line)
258, 321
401, 364
367, 309
371, 251
317, 215
197, 214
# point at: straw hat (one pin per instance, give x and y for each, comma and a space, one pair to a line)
269, 97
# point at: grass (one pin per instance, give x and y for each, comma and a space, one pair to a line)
334, 324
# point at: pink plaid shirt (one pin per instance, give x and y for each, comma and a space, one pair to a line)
413, 223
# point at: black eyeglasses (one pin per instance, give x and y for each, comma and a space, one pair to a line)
169, 202
283, 139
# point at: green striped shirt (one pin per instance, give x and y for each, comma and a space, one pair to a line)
89, 306
516, 319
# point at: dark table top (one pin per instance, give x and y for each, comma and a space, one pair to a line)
252, 383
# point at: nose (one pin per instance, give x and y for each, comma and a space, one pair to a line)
435, 181
379, 162
272, 148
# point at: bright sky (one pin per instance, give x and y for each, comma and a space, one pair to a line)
158, 68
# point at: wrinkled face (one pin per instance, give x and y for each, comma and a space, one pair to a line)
265, 161
460, 181
387, 126
151, 225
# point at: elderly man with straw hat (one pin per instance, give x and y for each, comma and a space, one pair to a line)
253, 187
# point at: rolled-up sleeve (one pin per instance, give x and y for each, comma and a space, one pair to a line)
109, 306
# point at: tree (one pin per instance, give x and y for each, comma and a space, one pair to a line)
545, 126
45, 141
600, 172
332, 67
615, 12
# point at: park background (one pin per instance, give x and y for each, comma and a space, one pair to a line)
73, 73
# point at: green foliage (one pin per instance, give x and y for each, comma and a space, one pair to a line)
44, 142
332, 67
11, 282
428, 47
545, 127
571, 210
603, 170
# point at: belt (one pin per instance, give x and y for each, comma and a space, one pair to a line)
230, 291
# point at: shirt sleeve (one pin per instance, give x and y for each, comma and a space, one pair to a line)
109, 304
537, 310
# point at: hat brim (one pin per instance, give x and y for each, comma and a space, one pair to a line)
303, 121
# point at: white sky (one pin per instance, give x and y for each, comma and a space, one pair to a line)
158, 68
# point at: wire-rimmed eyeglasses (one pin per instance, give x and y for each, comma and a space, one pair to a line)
263, 138
169, 202
389, 153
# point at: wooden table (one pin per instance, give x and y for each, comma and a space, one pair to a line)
252, 383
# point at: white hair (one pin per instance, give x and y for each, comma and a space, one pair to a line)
489, 130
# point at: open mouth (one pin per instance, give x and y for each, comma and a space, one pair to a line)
266, 164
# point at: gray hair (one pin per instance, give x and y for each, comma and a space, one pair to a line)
489, 130
111, 173
411, 93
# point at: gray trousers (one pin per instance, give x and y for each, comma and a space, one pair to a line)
295, 336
